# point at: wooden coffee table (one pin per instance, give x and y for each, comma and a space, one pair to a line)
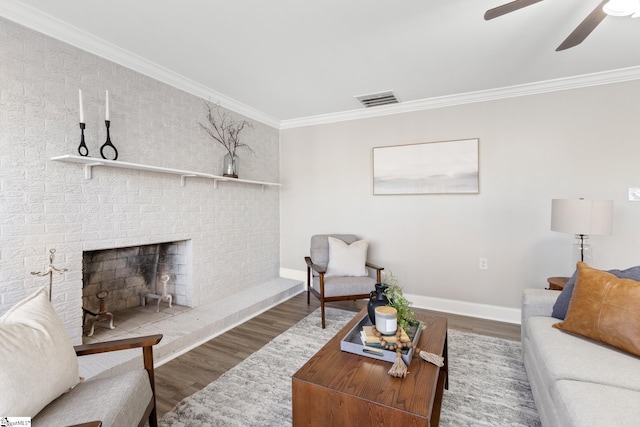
337, 388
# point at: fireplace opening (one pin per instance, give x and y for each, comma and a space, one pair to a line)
134, 282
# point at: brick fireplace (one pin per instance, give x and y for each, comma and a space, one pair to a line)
230, 231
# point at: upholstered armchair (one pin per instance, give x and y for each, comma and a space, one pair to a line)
337, 269
39, 373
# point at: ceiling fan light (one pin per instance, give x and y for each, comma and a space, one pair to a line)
621, 7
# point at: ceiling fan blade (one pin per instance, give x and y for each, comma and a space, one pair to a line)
508, 8
585, 28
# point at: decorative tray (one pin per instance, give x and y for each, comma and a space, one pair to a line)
352, 343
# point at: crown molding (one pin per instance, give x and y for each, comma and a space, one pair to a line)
574, 82
46, 24
53, 27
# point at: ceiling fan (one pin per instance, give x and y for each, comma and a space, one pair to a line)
613, 7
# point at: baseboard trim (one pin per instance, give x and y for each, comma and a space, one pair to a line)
463, 308
294, 275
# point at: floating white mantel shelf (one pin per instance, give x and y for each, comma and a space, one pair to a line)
90, 162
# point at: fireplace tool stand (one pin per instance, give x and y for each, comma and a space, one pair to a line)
165, 295
101, 315
49, 271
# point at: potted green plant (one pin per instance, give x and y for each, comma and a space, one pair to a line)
393, 292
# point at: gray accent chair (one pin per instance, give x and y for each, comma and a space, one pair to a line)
335, 288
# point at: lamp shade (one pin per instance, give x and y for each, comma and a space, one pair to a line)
580, 216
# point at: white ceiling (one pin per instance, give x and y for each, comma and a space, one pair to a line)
286, 61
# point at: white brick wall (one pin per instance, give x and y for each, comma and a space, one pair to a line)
45, 204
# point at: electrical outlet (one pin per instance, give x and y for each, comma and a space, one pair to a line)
634, 194
483, 264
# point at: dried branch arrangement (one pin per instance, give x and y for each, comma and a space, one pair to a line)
224, 129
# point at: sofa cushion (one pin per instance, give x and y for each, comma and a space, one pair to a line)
119, 400
38, 360
562, 303
340, 286
588, 404
347, 259
562, 356
605, 308
540, 390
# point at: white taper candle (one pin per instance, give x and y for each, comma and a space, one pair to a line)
80, 103
106, 117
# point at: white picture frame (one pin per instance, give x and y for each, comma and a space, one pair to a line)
443, 167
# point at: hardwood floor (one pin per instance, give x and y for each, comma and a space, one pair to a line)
192, 371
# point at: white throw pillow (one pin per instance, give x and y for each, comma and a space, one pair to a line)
347, 260
37, 359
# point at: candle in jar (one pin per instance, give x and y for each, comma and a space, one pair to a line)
80, 103
106, 116
386, 320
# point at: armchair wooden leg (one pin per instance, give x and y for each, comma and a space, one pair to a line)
308, 286
321, 282
147, 355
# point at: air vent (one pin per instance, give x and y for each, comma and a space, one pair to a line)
376, 99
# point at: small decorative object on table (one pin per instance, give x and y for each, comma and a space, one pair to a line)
376, 299
223, 129
386, 320
393, 293
362, 340
386, 336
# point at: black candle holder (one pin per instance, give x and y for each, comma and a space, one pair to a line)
108, 144
82, 148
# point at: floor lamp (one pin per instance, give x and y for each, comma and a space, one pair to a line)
582, 218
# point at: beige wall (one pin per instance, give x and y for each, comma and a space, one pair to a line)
568, 144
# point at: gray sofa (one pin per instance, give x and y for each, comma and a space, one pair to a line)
576, 381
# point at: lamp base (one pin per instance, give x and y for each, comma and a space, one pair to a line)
582, 250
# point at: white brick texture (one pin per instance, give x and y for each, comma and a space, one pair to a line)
45, 204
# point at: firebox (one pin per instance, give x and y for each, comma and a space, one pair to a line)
121, 278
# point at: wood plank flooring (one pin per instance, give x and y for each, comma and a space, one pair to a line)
186, 374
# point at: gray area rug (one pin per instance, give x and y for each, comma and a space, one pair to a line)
487, 383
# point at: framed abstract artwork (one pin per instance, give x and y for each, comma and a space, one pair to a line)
444, 167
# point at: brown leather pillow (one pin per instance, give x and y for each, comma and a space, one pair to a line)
605, 308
